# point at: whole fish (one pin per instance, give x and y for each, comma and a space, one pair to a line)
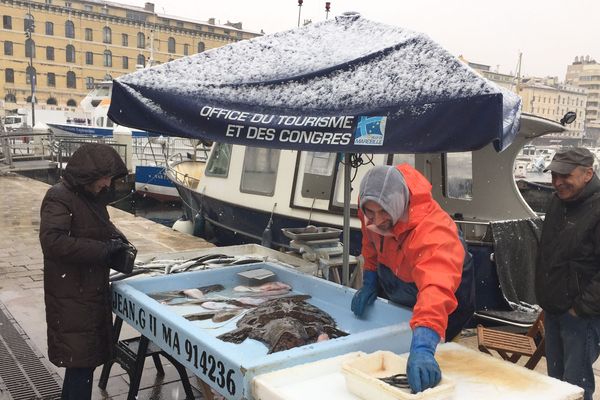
284, 323
266, 287
225, 315
180, 296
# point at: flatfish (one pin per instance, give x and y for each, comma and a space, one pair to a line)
284, 323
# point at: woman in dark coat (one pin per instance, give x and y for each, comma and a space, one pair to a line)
78, 241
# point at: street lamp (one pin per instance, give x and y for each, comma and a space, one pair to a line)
299, 10
327, 9
29, 29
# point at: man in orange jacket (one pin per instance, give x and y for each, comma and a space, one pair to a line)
415, 257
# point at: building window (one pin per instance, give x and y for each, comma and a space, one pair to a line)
30, 73
125, 62
51, 101
71, 103
107, 58
124, 40
180, 24
89, 82
29, 48
69, 29
51, 79
89, 34
71, 80
7, 22
28, 25
141, 60
171, 45
50, 53
70, 53
106, 35
201, 47
186, 49
89, 58
10, 98
9, 75
141, 40
8, 48
49, 28
88, 7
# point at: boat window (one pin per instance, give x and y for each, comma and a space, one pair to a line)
459, 175
403, 158
319, 169
100, 121
218, 164
260, 171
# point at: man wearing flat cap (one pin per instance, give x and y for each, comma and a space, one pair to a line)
568, 269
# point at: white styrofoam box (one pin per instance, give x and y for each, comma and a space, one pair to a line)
363, 379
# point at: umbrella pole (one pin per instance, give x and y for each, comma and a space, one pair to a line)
346, 232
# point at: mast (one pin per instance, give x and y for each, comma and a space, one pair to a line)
518, 88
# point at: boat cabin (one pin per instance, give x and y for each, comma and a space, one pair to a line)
242, 192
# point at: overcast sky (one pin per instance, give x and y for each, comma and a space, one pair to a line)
549, 33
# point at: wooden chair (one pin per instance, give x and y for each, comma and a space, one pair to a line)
512, 346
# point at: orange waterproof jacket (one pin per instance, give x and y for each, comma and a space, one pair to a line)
425, 250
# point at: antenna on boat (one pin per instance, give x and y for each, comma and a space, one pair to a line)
267, 235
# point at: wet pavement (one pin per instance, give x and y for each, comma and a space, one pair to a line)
21, 282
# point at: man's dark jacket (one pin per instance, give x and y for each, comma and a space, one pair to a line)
568, 267
74, 231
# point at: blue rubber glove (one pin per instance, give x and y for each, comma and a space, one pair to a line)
366, 295
422, 370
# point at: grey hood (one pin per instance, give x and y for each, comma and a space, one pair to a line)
386, 186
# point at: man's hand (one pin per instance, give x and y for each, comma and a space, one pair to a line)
366, 295
422, 369
572, 312
113, 248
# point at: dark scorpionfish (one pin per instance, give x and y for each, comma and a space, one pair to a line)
284, 323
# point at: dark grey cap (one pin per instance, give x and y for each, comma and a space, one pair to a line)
565, 161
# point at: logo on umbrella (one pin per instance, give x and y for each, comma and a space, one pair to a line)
370, 131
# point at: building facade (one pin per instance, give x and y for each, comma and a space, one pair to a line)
67, 45
584, 72
507, 81
548, 98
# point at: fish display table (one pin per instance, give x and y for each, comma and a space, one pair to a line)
476, 376
228, 367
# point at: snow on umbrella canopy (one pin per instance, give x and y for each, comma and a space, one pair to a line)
342, 85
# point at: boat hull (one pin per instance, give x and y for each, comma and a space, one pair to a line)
232, 224
74, 129
150, 181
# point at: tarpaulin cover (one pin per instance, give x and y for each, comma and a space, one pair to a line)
515, 252
342, 85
